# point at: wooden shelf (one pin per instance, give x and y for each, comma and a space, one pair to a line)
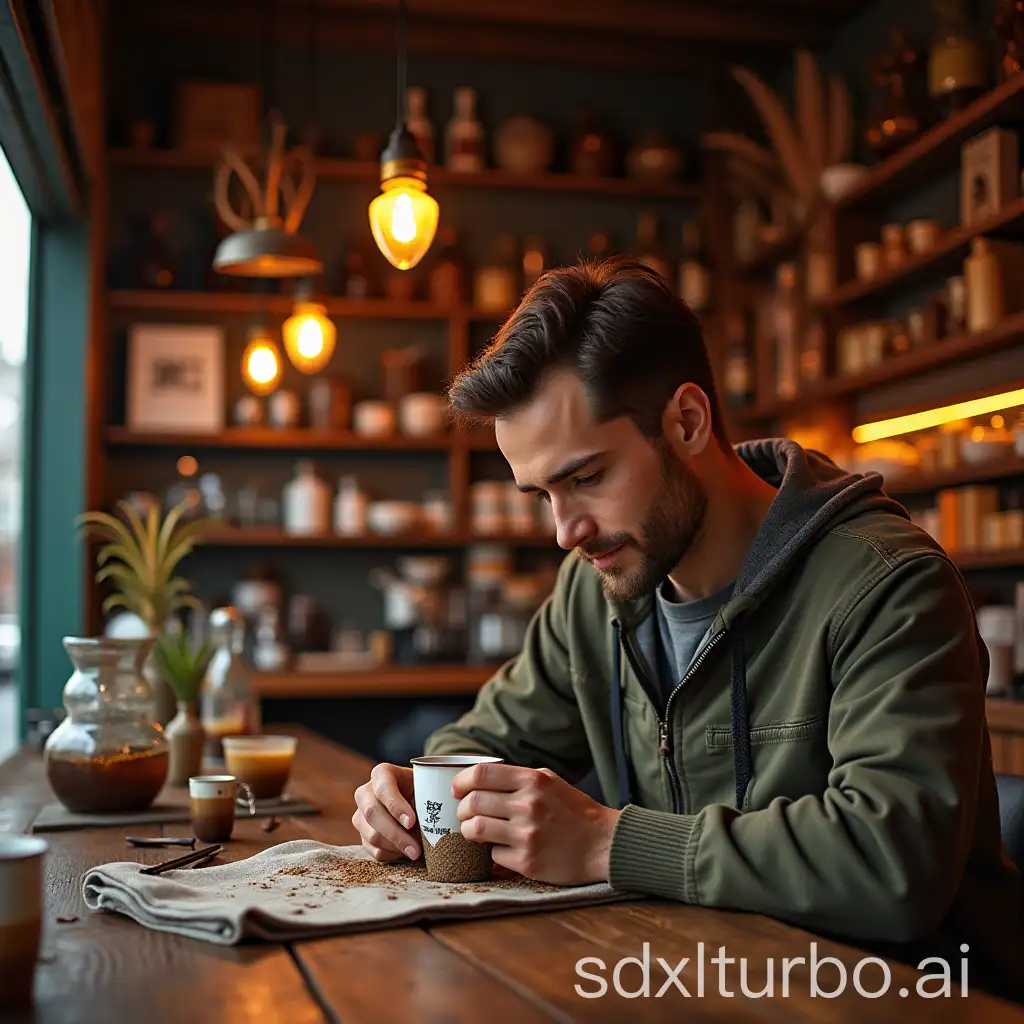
272, 537
940, 353
922, 483
1011, 559
334, 169
244, 302
947, 254
1005, 714
297, 440
390, 681
938, 148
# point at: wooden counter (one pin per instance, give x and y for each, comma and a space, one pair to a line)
517, 968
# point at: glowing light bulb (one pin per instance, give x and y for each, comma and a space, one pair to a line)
309, 337
261, 363
403, 219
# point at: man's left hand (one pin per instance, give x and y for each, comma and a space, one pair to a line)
540, 825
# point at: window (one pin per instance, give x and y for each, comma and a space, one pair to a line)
15, 253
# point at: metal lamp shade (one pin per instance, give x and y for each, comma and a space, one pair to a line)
267, 252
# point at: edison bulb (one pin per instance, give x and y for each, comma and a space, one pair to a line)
403, 219
261, 363
309, 337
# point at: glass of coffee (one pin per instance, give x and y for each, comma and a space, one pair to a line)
212, 806
21, 916
264, 763
449, 856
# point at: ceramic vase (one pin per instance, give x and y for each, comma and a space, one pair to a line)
185, 738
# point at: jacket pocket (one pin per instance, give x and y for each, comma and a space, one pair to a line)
718, 738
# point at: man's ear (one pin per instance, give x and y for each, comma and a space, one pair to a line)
686, 420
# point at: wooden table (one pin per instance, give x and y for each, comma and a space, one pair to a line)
100, 967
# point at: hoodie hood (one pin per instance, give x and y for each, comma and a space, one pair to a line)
814, 495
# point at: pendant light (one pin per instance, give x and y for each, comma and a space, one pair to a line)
403, 218
261, 361
268, 245
309, 335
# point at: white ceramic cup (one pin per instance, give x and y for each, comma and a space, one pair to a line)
373, 419
436, 808
21, 915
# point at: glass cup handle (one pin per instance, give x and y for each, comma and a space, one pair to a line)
250, 800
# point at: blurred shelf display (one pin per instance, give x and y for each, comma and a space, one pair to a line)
944, 352
938, 148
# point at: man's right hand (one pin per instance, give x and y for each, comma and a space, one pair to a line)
384, 812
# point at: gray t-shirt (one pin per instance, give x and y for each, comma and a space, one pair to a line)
681, 628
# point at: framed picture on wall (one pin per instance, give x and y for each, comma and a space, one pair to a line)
175, 378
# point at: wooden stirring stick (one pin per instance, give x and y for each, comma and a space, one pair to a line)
188, 860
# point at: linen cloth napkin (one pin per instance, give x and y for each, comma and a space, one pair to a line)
303, 889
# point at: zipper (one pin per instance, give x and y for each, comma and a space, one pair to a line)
665, 723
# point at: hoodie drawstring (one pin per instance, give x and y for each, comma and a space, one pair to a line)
742, 758
618, 733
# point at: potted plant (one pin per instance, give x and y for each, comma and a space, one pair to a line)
140, 558
183, 668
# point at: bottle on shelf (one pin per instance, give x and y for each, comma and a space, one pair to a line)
983, 284
812, 352
495, 285
306, 503
599, 245
419, 123
447, 282
228, 704
157, 268
464, 136
739, 369
356, 280
958, 68
351, 507
694, 277
535, 260
647, 247
784, 324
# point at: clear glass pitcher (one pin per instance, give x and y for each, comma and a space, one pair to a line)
109, 753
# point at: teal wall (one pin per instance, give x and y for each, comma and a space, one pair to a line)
55, 456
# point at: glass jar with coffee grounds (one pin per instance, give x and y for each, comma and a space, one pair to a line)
109, 753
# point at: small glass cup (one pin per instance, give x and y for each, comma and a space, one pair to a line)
263, 762
212, 801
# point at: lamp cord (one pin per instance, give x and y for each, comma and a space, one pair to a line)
402, 69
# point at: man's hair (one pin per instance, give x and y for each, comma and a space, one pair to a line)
616, 324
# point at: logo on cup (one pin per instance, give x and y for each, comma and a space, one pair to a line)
433, 812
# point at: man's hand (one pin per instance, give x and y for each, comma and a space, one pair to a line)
383, 807
540, 825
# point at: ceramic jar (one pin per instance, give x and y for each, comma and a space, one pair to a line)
524, 145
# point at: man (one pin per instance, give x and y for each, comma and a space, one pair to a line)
777, 678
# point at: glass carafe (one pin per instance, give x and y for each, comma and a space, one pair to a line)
228, 705
109, 753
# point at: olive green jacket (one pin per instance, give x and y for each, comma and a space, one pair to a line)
825, 760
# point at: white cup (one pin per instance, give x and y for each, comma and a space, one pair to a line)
437, 809
21, 915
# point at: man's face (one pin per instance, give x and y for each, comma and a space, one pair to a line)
630, 507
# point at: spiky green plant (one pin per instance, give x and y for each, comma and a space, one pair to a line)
140, 559
181, 665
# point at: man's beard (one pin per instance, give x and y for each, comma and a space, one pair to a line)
673, 522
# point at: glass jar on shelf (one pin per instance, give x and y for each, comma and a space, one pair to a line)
958, 70
229, 706
109, 754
